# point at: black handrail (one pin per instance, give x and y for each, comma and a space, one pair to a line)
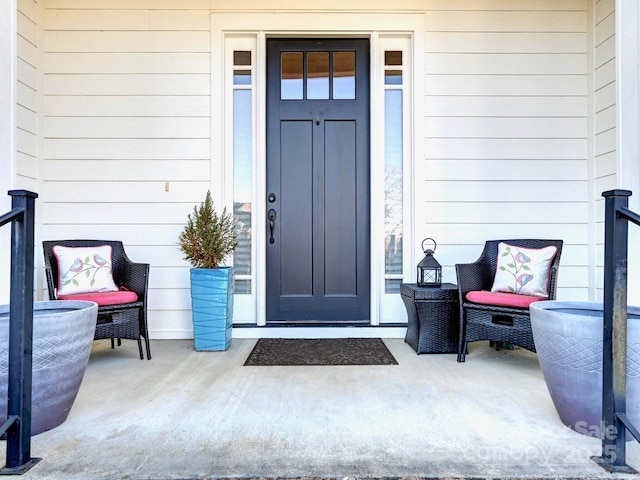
614, 342
18, 424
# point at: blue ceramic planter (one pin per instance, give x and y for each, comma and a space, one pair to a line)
212, 305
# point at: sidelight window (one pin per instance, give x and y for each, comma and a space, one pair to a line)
393, 170
243, 166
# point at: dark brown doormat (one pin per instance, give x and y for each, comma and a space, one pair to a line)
323, 351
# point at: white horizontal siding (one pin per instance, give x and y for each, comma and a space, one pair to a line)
605, 142
576, 256
128, 232
474, 63
146, 19
115, 63
129, 5
326, 4
476, 234
506, 130
483, 84
506, 170
127, 106
127, 141
27, 168
129, 84
152, 170
505, 127
428, 5
507, 191
605, 96
124, 148
511, 42
474, 20
488, 106
127, 113
127, 42
506, 148
27, 119
128, 191
605, 163
28, 50
64, 213
27, 96
606, 166
459, 211
127, 127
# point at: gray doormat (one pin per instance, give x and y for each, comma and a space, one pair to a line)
323, 351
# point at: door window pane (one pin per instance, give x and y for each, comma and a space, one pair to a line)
318, 75
393, 76
392, 58
242, 179
241, 76
393, 181
392, 285
344, 75
242, 58
291, 76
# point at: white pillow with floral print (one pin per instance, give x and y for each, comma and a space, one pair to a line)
84, 269
524, 271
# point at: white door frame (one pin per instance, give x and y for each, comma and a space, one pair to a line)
261, 25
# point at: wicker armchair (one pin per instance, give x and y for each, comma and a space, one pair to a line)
490, 322
128, 320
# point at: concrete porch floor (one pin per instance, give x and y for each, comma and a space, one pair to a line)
198, 415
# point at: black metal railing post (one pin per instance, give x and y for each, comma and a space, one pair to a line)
614, 357
18, 424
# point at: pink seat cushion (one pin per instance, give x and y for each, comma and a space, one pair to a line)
502, 299
104, 298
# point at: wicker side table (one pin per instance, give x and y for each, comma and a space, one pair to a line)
433, 317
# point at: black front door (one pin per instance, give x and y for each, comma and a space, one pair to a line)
318, 181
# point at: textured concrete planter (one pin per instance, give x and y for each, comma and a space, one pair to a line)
568, 339
62, 337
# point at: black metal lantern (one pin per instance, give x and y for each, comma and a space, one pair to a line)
429, 270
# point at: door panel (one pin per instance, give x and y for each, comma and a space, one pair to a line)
318, 181
340, 210
296, 209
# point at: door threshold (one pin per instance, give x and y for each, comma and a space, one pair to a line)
320, 332
319, 324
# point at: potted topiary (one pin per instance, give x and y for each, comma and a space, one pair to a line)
206, 241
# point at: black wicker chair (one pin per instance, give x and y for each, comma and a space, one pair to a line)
115, 322
498, 323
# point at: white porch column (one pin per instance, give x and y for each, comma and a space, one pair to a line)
628, 125
8, 68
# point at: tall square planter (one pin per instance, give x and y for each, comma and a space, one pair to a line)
212, 306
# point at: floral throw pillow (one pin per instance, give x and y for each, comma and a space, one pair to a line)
523, 270
84, 269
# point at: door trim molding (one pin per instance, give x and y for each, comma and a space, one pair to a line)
326, 24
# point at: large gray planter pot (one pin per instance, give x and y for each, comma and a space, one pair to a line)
568, 339
63, 333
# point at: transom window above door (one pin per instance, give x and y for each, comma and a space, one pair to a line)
318, 75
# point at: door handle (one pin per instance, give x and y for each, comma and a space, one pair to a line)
271, 215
